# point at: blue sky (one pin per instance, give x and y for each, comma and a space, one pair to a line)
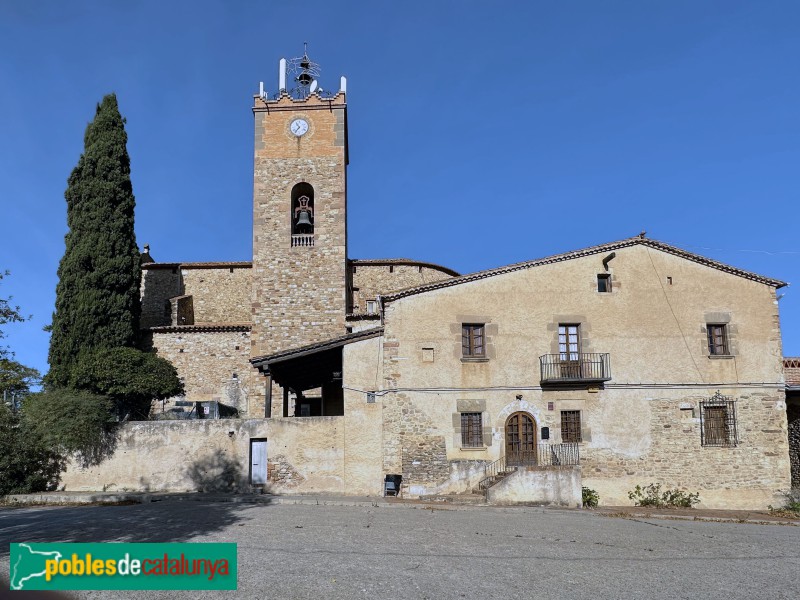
481, 133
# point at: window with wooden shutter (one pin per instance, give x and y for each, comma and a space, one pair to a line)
717, 339
473, 341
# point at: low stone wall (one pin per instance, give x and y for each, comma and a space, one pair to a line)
304, 456
539, 485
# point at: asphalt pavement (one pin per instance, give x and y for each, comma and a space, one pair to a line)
439, 552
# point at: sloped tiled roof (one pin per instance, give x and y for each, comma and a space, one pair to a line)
201, 327
609, 247
402, 261
318, 346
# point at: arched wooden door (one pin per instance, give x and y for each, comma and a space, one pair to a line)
520, 440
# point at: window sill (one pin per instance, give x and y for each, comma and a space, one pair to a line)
720, 356
474, 359
473, 448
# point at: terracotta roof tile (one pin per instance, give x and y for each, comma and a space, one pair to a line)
579, 254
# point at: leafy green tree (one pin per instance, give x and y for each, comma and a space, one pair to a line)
130, 377
16, 379
97, 298
8, 314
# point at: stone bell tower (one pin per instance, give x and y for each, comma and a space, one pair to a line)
299, 211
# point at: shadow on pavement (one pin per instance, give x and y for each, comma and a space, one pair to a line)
166, 521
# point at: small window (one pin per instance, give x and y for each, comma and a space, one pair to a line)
472, 430
473, 343
604, 283
570, 426
718, 339
372, 307
718, 422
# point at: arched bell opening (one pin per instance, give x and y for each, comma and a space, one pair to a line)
302, 215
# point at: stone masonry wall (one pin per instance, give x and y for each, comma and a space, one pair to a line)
220, 292
298, 292
207, 362
373, 278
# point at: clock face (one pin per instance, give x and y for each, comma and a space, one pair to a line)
298, 127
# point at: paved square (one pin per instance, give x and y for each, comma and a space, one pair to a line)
309, 551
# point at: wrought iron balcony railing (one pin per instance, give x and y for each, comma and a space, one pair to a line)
575, 368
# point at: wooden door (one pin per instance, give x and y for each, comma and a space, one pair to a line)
520, 440
569, 351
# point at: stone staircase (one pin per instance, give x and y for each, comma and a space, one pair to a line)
492, 479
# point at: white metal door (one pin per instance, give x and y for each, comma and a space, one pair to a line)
258, 462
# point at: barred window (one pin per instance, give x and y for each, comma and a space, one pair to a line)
718, 422
570, 426
472, 340
717, 339
472, 430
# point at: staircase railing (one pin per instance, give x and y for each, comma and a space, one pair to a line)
546, 455
492, 470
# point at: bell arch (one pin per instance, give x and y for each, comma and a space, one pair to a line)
302, 209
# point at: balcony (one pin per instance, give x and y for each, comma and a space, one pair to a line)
575, 368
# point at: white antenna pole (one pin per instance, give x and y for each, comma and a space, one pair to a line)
261, 88
343, 84
282, 75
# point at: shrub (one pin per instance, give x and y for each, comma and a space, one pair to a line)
590, 497
71, 422
27, 465
652, 495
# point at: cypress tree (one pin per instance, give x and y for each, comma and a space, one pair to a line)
97, 297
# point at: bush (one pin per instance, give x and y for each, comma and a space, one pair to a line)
590, 497
791, 507
130, 377
27, 465
71, 422
652, 495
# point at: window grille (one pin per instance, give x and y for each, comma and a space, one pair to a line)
472, 340
570, 426
718, 422
717, 339
472, 430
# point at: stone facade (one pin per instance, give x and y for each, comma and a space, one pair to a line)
215, 292
372, 278
213, 363
299, 291
399, 393
643, 426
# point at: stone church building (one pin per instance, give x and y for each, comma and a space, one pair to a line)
628, 363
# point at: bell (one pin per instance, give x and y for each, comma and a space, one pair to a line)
305, 79
303, 219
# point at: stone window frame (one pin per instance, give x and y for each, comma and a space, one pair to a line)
473, 340
724, 320
608, 283
471, 406
472, 430
490, 331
